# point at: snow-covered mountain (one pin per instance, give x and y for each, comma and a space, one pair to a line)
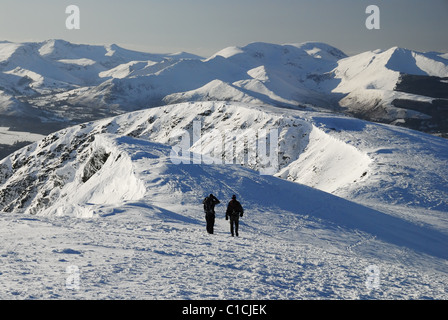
116, 193
59, 83
37, 78
335, 154
362, 195
397, 86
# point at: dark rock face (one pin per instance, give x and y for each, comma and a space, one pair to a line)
437, 110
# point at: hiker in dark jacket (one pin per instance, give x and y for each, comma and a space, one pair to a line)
234, 211
209, 209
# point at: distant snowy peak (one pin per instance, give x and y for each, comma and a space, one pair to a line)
397, 86
367, 70
399, 60
321, 50
299, 60
60, 49
184, 55
7, 49
262, 50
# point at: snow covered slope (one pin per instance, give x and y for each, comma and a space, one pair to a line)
337, 154
37, 78
55, 65
111, 199
380, 86
59, 83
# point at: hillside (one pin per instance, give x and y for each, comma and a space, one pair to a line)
114, 199
396, 86
345, 156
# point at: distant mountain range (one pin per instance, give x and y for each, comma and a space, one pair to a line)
53, 84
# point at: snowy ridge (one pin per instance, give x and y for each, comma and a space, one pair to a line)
327, 163
142, 232
341, 155
68, 151
118, 182
374, 76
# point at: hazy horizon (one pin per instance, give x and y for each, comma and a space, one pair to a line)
204, 27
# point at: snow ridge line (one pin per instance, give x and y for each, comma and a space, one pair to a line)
333, 154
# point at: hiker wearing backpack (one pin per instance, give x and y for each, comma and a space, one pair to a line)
209, 209
234, 211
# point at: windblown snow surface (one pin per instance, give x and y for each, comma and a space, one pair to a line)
111, 210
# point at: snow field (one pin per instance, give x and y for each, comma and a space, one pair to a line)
134, 252
11, 137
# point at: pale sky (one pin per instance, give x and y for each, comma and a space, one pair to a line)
204, 27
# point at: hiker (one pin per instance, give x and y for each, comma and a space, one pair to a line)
234, 211
209, 209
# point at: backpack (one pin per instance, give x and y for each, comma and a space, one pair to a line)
235, 208
208, 204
